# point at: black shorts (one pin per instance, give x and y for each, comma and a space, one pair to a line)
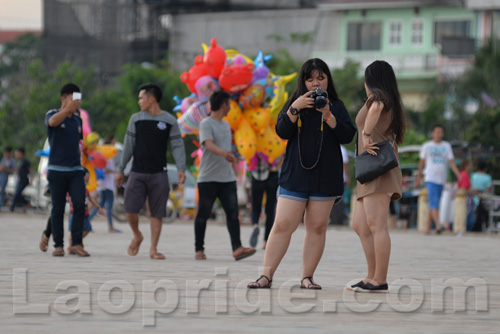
141, 186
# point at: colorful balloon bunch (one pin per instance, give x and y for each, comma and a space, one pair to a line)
94, 157
257, 97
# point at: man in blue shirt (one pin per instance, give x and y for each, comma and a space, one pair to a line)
65, 172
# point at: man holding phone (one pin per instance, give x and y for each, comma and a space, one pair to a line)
65, 172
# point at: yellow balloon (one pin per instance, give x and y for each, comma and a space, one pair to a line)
90, 140
108, 151
257, 117
280, 94
245, 140
231, 53
234, 115
92, 185
252, 96
273, 118
270, 144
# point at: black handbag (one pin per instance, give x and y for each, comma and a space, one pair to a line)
368, 167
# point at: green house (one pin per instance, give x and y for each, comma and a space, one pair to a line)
422, 42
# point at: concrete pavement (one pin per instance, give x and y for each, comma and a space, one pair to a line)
111, 292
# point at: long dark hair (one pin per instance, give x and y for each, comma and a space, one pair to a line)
308, 68
381, 81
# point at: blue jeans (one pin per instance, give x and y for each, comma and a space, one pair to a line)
208, 192
18, 194
106, 199
61, 183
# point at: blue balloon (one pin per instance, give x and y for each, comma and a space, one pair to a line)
99, 174
42, 153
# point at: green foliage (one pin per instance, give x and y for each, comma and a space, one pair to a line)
17, 56
350, 86
31, 94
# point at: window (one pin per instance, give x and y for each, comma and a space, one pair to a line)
417, 32
395, 33
451, 29
496, 24
364, 36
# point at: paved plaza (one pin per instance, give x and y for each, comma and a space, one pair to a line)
439, 284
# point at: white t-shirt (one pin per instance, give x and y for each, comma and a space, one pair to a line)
345, 158
108, 183
436, 156
215, 168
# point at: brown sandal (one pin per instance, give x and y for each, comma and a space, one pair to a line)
200, 255
157, 256
256, 284
78, 250
59, 251
44, 243
134, 246
312, 286
243, 252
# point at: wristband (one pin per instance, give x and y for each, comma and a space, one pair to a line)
328, 118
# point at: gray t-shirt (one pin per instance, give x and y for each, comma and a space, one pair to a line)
215, 168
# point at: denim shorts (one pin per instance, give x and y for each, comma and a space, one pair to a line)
87, 226
434, 192
304, 196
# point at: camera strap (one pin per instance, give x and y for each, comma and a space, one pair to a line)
299, 125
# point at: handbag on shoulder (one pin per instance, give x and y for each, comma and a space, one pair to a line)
368, 167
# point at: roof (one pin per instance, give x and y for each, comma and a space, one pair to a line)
12, 35
371, 4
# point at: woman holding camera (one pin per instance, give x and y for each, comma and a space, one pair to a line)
381, 118
315, 123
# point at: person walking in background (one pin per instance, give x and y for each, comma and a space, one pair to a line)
264, 179
23, 172
106, 188
436, 155
315, 123
65, 172
148, 133
481, 183
7, 167
381, 118
464, 183
216, 178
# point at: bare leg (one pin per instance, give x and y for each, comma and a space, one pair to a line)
361, 228
435, 217
316, 222
288, 216
156, 225
133, 220
377, 205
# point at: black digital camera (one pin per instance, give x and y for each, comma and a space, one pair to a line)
319, 95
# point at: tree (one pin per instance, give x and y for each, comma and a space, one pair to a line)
30, 95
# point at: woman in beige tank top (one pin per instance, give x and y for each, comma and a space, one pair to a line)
380, 118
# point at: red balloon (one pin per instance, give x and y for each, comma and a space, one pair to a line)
235, 78
215, 58
97, 159
198, 70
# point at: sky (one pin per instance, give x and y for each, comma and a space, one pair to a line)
20, 14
